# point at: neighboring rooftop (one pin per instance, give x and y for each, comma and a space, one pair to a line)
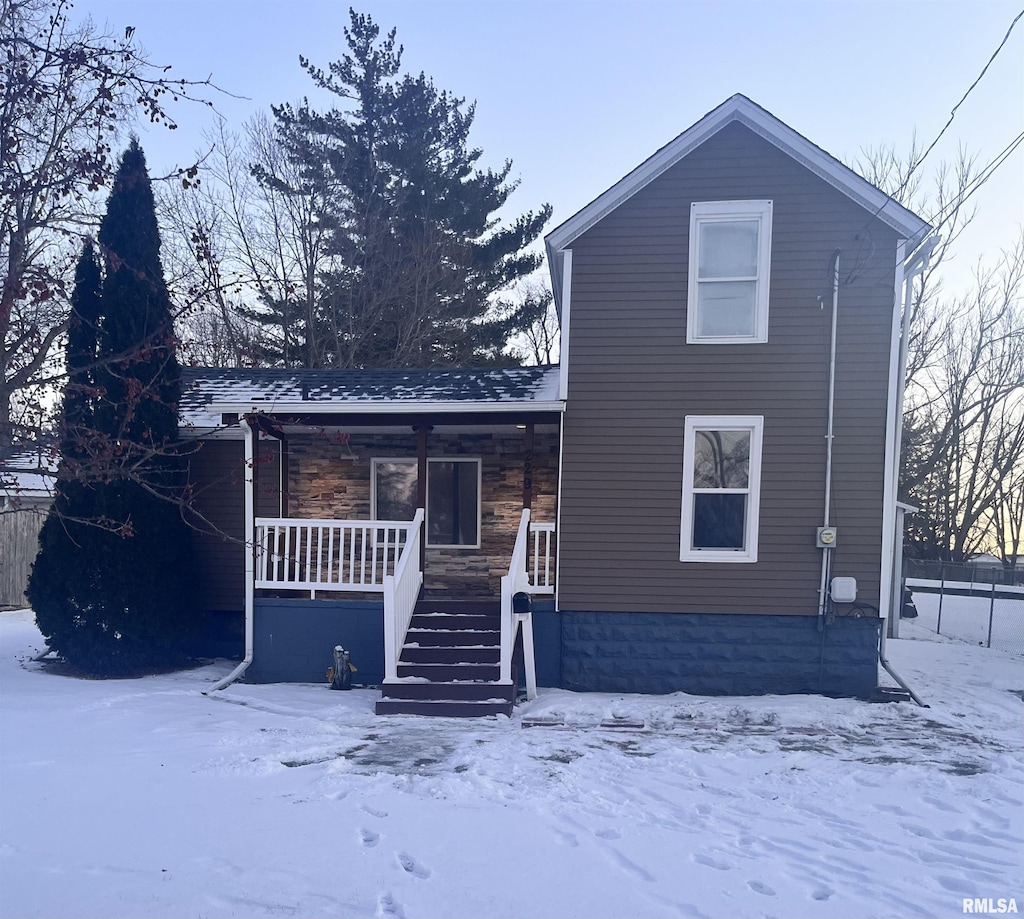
28, 476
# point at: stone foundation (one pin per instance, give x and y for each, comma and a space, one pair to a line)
706, 654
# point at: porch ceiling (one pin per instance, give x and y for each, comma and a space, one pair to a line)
506, 427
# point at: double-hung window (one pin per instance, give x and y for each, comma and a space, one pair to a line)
730, 255
721, 488
453, 497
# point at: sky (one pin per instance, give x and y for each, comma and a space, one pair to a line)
578, 92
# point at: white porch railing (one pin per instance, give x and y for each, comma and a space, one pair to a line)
518, 581
329, 555
401, 590
541, 566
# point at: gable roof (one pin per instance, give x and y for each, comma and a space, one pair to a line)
209, 392
740, 109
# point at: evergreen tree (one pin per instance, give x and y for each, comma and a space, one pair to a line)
63, 565
78, 416
139, 372
109, 585
419, 253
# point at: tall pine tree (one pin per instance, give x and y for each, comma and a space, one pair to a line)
412, 217
77, 418
110, 583
62, 577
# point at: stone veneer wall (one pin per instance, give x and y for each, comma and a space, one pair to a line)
323, 483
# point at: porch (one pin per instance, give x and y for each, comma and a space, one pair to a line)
404, 542
360, 586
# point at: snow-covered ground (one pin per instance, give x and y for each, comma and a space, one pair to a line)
147, 798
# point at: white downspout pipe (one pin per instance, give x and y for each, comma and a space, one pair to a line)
250, 558
914, 266
825, 558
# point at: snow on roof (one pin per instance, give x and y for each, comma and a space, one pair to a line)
28, 475
207, 392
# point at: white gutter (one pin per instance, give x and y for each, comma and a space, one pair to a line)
326, 407
894, 423
250, 558
907, 268
918, 264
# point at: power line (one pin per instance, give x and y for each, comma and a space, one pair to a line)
952, 114
980, 179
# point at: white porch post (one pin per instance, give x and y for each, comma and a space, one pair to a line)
250, 531
249, 538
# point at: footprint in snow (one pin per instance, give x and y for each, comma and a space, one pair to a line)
368, 838
954, 884
703, 809
821, 893
413, 867
566, 839
891, 809
629, 866
711, 862
388, 908
941, 804
372, 811
761, 888
608, 834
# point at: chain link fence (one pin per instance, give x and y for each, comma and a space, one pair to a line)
971, 574
983, 606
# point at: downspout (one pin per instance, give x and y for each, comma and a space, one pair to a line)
917, 266
914, 266
250, 558
826, 558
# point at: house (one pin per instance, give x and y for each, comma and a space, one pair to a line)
694, 498
984, 561
26, 492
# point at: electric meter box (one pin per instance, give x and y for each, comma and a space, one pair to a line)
827, 537
844, 590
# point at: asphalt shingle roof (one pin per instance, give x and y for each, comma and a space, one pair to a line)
204, 385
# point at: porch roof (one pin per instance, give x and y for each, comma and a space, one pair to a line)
210, 393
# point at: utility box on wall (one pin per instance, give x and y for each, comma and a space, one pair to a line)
844, 590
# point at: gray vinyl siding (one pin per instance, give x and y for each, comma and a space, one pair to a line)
632, 380
216, 474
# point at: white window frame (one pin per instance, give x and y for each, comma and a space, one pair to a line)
704, 212
754, 425
412, 461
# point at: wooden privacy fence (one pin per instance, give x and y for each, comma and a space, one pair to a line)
19, 542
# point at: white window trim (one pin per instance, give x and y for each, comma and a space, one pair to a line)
754, 424
722, 211
412, 461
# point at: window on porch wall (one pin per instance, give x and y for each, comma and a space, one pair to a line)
453, 497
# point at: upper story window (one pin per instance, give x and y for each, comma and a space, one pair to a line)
721, 488
730, 256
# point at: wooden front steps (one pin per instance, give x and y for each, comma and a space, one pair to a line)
449, 665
